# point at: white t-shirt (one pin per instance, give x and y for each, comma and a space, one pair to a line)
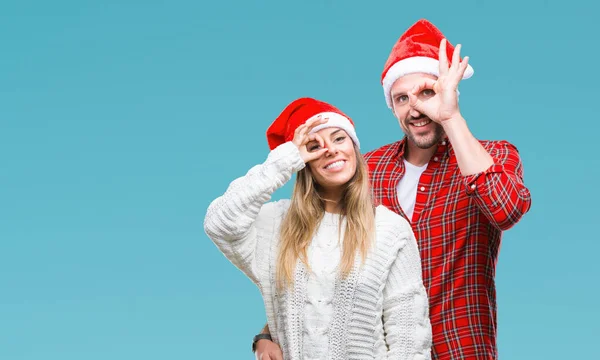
407, 187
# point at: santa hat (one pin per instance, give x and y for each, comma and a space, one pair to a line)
299, 112
417, 51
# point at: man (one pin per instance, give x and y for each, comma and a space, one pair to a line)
459, 193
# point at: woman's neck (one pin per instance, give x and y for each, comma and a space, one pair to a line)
332, 201
332, 207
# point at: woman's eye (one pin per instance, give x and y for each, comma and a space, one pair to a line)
340, 139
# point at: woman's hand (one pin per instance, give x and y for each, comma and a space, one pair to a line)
302, 137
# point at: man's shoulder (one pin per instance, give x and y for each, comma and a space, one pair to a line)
498, 146
380, 152
497, 143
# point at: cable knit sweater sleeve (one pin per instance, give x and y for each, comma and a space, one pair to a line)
230, 219
405, 304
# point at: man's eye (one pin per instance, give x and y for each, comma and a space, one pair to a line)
402, 99
428, 92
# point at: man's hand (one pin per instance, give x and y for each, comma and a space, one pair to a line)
443, 104
438, 100
267, 350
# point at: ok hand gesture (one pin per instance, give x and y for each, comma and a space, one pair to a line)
302, 138
443, 105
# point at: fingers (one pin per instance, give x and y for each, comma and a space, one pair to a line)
416, 103
456, 65
414, 100
298, 135
310, 156
443, 58
277, 355
263, 352
310, 124
455, 58
301, 131
463, 67
424, 83
316, 137
458, 68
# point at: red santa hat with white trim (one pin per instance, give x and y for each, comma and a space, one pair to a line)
417, 51
299, 112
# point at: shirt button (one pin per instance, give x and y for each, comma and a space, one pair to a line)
473, 186
444, 142
422, 188
436, 158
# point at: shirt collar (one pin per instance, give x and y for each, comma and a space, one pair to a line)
443, 148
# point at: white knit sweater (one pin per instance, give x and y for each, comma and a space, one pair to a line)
323, 255
380, 310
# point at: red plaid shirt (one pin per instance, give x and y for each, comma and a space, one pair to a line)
458, 222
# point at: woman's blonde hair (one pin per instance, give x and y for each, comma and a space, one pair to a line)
307, 210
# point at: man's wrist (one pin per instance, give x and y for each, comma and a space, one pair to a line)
453, 120
262, 336
456, 128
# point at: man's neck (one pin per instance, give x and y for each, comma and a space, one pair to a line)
417, 156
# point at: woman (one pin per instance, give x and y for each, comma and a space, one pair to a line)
340, 277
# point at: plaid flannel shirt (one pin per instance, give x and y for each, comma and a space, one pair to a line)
458, 222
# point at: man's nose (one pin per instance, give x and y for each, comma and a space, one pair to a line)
414, 113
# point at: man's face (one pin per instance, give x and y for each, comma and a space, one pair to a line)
419, 129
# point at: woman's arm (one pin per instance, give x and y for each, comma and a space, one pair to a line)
230, 218
406, 306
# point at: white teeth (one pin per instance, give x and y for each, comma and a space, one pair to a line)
336, 164
422, 123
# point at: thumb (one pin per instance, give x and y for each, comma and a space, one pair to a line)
414, 102
310, 156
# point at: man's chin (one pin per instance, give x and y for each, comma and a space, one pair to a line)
426, 146
428, 139
423, 142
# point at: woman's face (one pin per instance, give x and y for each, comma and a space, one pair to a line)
338, 164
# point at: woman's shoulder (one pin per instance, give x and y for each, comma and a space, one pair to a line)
388, 218
392, 230
275, 208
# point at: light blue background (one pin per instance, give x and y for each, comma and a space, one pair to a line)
121, 120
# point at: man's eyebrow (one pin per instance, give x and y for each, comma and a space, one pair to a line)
396, 93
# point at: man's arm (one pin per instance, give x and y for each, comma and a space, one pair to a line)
494, 179
471, 156
267, 349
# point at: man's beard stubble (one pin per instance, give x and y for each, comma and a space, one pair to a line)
427, 141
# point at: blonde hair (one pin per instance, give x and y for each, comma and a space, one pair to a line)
307, 210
